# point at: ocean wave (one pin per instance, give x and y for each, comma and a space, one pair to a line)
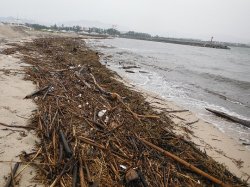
242, 84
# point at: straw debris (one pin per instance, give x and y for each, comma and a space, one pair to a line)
94, 131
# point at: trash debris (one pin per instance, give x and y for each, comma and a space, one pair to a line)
83, 144
123, 167
10, 180
106, 119
101, 113
131, 175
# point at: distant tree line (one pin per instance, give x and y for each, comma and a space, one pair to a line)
76, 28
137, 35
36, 26
129, 34
54, 27
110, 31
114, 32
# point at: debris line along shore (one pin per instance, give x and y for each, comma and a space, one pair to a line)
94, 131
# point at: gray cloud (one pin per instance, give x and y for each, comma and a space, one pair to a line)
224, 19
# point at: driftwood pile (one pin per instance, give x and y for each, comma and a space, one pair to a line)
96, 132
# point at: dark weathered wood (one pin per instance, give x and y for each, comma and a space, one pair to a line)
129, 71
81, 174
142, 178
16, 126
176, 111
130, 67
37, 92
62, 172
46, 93
230, 117
183, 162
60, 153
74, 179
13, 172
65, 144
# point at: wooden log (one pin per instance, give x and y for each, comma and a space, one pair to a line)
13, 172
130, 67
65, 144
81, 174
176, 111
129, 71
230, 117
74, 177
17, 126
61, 173
82, 80
188, 165
37, 92
99, 87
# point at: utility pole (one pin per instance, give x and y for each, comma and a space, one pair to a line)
212, 39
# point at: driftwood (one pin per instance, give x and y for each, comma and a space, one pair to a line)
230, 117
74, 180
104, 148
17, 126
176, 111
82, 80
130, 67
61, 173
65, 144
129, 71
11, 177
37, 92
191, 123
81, 173
188, 165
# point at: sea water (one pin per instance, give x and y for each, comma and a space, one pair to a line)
193, 77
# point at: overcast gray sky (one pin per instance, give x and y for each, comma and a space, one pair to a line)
226, 20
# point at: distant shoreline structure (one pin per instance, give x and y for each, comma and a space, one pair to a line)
183, 42
113, 32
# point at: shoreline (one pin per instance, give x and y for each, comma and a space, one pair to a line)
71, 111
221, 147
182, 42
130, 112
210, 139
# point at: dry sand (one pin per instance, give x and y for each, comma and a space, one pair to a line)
14, 110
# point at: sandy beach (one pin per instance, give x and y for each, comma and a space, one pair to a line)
17, 111
14, 110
